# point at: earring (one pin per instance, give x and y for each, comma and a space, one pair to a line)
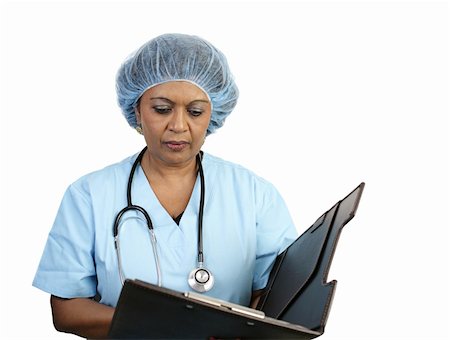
139, 129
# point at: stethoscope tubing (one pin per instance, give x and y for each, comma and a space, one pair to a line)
152, 240
131, 207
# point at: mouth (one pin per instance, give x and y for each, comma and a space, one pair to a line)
176, 145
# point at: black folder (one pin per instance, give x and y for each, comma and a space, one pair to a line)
295, 304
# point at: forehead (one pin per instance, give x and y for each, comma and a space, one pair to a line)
176, 91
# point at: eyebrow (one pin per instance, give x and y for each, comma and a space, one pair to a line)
171, 102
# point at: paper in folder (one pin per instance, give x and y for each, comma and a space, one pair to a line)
295, 304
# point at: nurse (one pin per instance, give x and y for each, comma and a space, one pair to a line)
204, 213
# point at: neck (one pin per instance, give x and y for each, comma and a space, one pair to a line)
156, 169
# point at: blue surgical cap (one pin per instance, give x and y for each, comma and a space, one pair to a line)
177, 57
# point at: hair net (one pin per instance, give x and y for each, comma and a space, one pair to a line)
172, 57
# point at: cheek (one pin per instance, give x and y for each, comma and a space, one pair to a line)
152, 123
198, 133
204, 125
207, 120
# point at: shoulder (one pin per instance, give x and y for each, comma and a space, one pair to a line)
225, 167
102, 179
234, 177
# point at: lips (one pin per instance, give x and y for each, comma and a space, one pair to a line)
175, 145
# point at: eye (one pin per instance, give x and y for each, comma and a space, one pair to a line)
195, 112
162, 109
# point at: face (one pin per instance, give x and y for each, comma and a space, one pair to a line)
174, 117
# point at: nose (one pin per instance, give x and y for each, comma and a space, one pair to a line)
178, 122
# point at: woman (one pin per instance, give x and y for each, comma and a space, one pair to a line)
175, 90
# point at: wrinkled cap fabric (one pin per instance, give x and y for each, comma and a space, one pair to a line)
177, 57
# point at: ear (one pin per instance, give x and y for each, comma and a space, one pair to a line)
138, 116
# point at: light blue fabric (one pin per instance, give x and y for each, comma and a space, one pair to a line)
177, 57
246, 224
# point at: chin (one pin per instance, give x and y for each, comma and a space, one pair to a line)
178, 157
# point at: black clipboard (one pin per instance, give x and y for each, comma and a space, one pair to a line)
295, 304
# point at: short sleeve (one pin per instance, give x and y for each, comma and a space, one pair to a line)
275, 231
67, 267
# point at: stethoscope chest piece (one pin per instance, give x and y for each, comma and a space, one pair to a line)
200, 279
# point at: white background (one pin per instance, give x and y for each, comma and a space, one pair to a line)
332, 93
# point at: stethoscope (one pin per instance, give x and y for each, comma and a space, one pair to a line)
200, 278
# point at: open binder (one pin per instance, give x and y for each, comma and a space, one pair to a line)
295, 304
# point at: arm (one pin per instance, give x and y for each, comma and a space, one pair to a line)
81, 316
256, 295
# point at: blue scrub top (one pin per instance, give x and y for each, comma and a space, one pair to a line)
246, 225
